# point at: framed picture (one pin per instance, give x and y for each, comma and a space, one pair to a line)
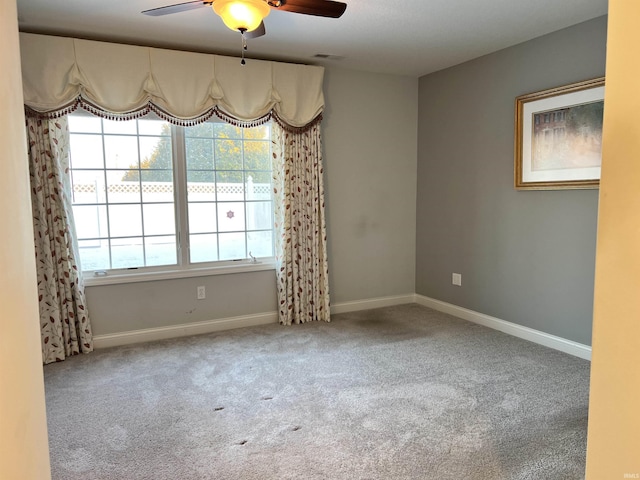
558, 142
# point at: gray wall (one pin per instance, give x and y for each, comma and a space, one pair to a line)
370, 152
525, 256
163, 303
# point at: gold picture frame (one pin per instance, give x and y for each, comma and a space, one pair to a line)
558, 137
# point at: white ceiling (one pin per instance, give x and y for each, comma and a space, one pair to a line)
407, 37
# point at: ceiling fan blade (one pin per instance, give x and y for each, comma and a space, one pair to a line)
258, 32
178, 7
320, 8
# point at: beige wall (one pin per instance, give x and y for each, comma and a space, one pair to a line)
614, 410
370, 145
24, 451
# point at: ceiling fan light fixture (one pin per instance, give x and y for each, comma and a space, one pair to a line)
243, 15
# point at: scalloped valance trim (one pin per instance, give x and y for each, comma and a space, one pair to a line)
116, 80
150, 107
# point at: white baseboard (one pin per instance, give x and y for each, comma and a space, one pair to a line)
526, 333
209, 326
173, 331
371, 303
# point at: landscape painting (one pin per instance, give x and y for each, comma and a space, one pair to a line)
559, 137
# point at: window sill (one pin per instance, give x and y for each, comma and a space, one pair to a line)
114, 279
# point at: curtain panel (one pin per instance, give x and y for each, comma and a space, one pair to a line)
64, 320
301, 237
183, 87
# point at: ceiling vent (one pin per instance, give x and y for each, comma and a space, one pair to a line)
328, 56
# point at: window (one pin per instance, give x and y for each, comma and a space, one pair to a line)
149, 196
229, 192
559, 134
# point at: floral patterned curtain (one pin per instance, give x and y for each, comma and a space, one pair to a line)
301, 240
64, 319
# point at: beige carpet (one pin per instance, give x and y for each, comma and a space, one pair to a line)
394, 393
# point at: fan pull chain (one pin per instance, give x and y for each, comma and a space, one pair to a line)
244, 47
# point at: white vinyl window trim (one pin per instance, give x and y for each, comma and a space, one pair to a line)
149, 274
183, 267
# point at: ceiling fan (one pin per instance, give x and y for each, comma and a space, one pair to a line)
246, 16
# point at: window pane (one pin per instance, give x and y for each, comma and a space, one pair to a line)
262, 132
91, 221
125, 220
117, 126
154, 127
202, 217
157, 175
202, 130
199, 153
127, 253
228, 154
157, 186
259, 216
224, 130
159, 219
155, 153
203, 248
230, 176
94, 254
258, 185
232, 246
200, 186
160, 251
88, 186
200, 176
230, 186
121, 190
85, 124
260, 244
256, 155
121, 151
231, 217
86, 151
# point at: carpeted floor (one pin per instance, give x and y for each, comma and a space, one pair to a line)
395, 393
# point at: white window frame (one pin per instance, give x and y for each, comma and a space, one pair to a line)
183, 268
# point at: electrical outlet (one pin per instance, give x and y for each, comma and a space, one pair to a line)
201, 292
456, 279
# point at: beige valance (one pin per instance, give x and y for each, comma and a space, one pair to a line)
125, 79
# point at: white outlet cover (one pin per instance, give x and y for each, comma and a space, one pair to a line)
456, 279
